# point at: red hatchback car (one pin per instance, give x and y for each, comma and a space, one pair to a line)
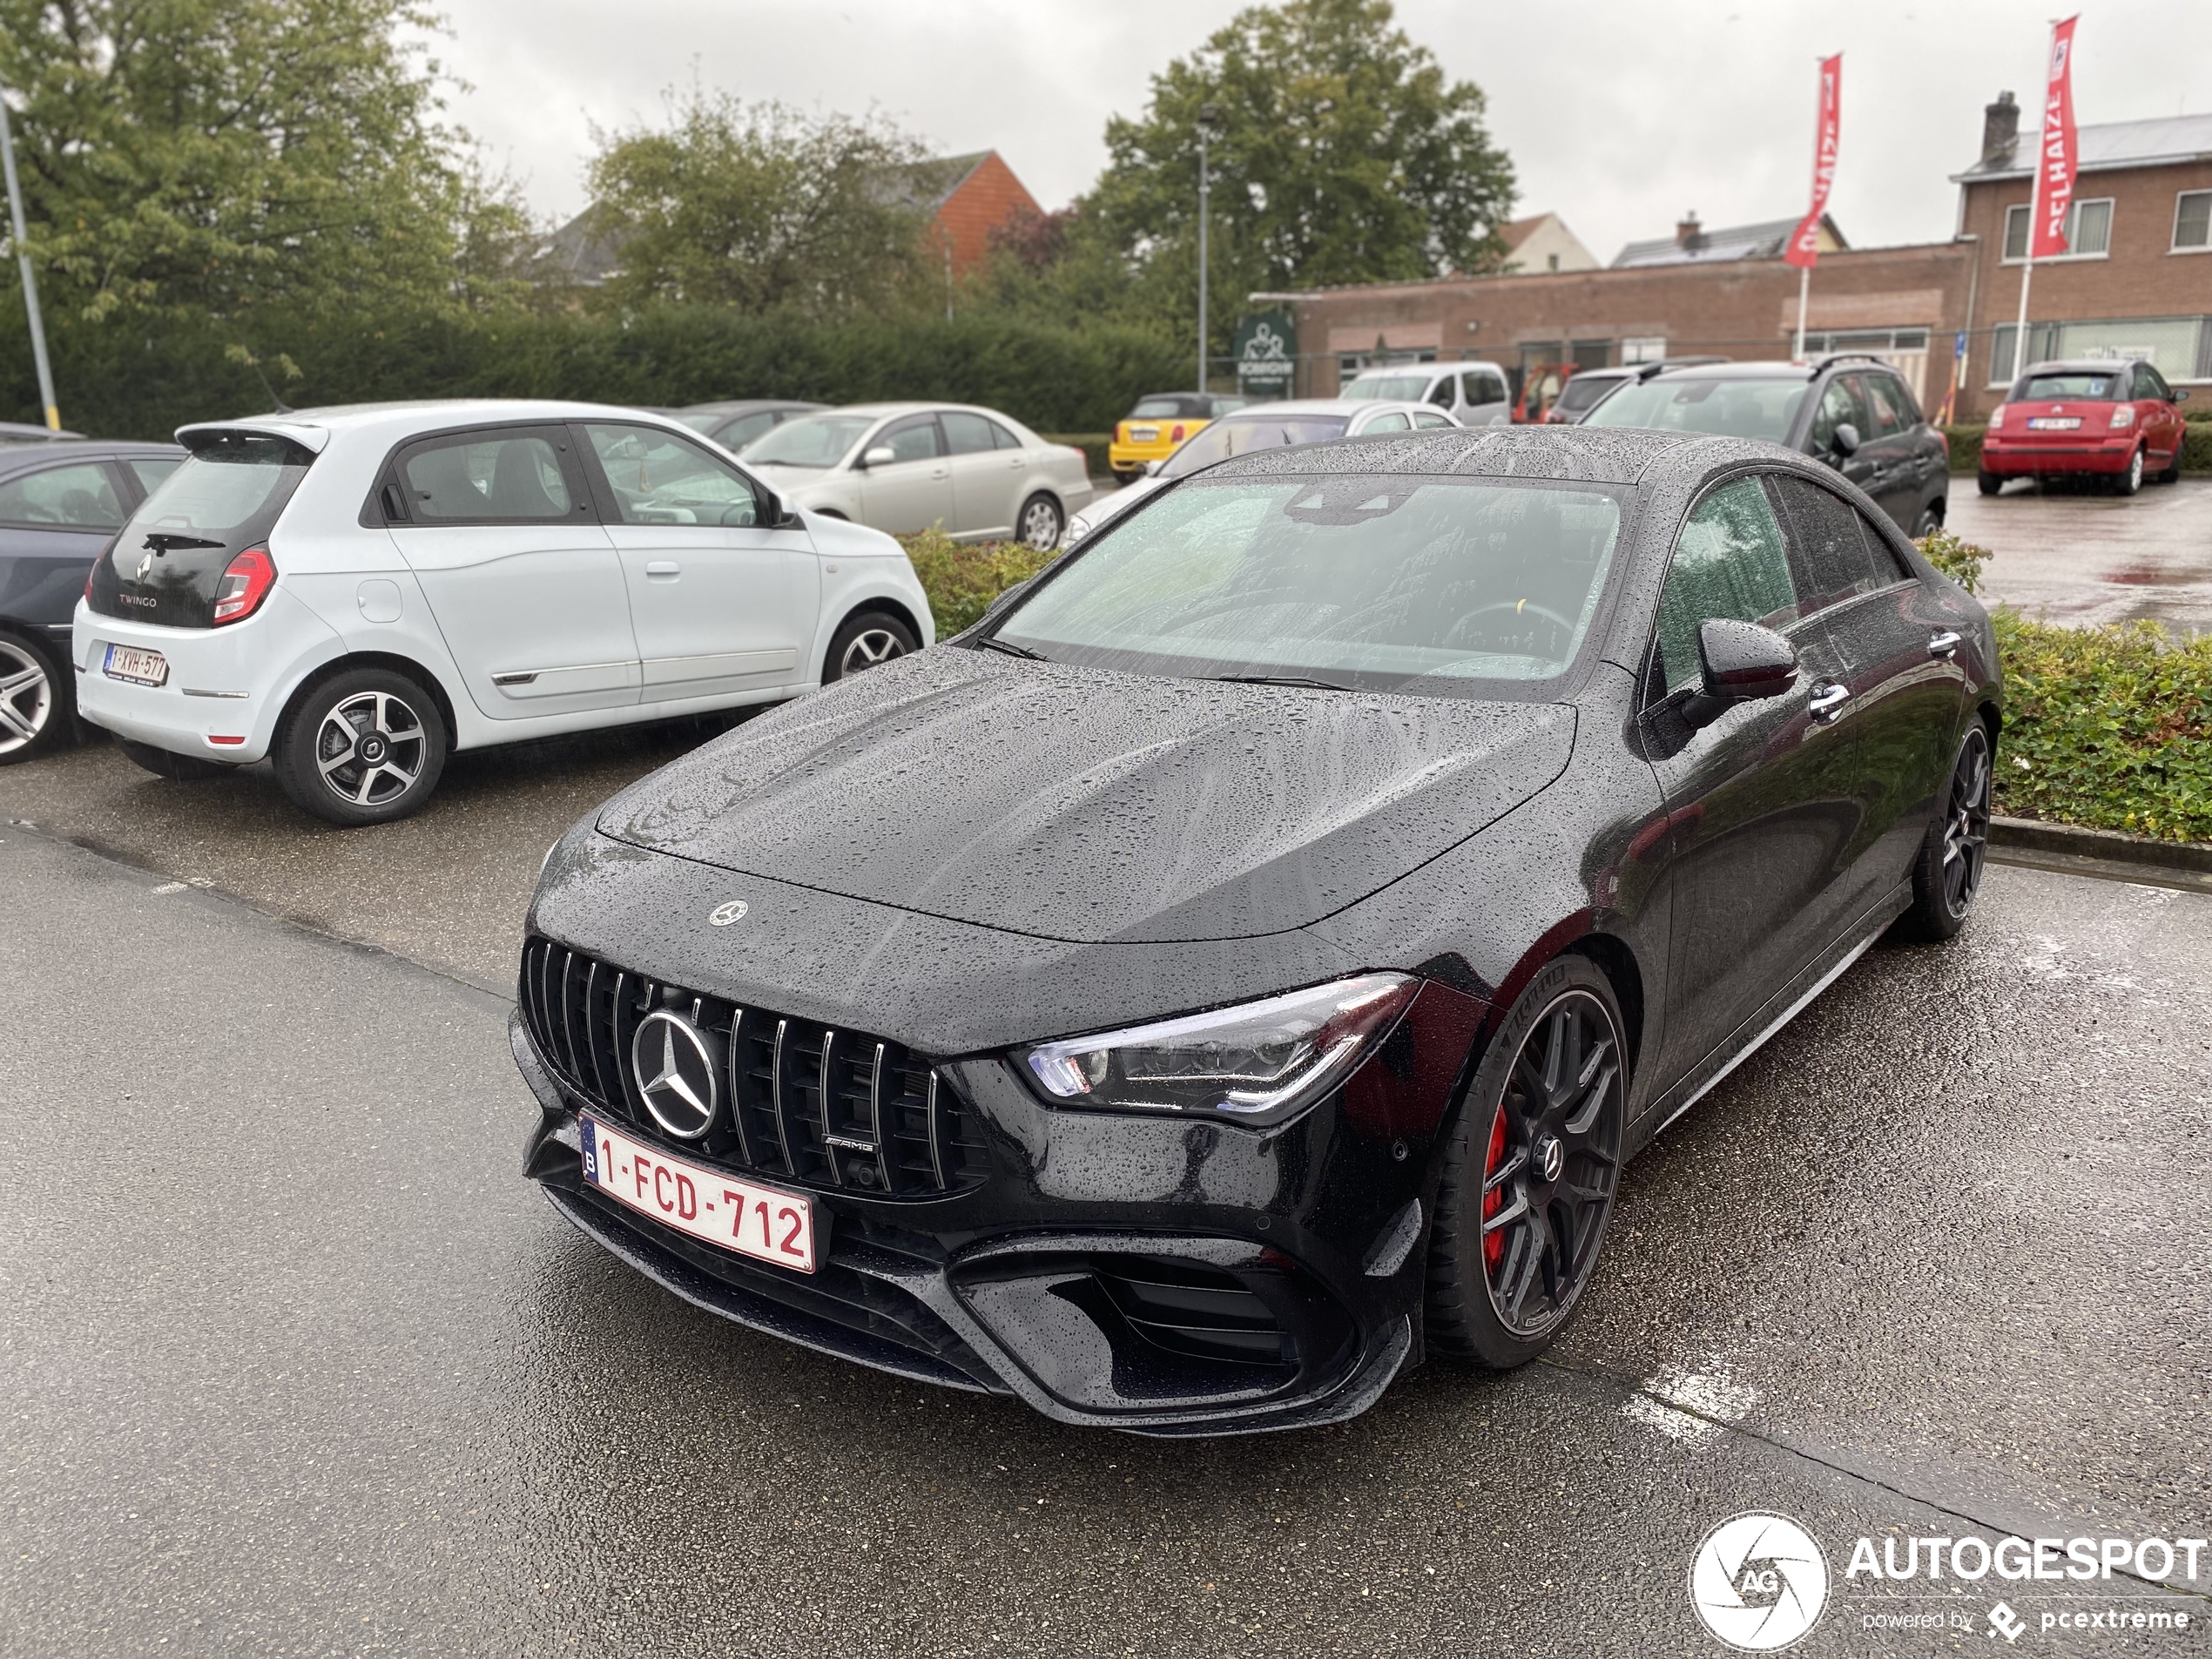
2117, 421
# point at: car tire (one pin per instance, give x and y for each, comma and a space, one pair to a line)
37, 713
365, 746
1518, 1233
2130, 482
1037, 526
166, 763
867, 640
1988, 482
1947, 874
1928, 523
2171, 473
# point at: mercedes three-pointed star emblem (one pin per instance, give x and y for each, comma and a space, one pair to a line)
679, 1073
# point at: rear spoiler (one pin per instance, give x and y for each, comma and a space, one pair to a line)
314, 439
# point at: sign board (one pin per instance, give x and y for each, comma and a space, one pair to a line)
1266, 352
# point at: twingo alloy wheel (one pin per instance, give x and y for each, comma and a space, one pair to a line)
1530, 1171
33, 714
364, 747
1947, 874
867, 640
1040, 524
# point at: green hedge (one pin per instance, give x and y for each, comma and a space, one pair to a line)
1965, 447
137, 379
1092, 444
961, 578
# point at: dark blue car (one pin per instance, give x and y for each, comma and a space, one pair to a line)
62, 500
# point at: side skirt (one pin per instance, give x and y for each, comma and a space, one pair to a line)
1824, 971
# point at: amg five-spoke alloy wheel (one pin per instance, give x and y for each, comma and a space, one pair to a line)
1948, 873
32, 716
1530, 1174
363, 748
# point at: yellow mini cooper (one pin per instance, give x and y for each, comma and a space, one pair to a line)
1156, 429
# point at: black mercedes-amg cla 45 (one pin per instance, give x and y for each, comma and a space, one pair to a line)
1239, 967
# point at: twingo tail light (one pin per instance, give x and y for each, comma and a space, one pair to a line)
246, 581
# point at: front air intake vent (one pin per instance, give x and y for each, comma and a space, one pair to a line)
801, 1102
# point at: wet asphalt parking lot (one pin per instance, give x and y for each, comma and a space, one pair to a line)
294, 1362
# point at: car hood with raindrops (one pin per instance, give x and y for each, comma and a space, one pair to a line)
1089, 805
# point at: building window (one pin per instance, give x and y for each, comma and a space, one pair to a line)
1645, 348
2193, 220
2088, 231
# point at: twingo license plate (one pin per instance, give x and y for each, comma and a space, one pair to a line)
2054, 423
763, 1223
139, 666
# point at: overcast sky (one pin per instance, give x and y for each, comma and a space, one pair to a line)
1619, 114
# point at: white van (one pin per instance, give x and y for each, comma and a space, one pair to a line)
1474, 392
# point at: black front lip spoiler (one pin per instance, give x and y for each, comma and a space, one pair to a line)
1350, 1391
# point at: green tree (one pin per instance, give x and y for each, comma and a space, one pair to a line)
761, 205
1342, 155
239, 159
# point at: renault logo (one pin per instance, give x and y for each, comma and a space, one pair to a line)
146, 563
678, 1072
723, 915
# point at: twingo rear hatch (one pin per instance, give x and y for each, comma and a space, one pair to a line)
209, 519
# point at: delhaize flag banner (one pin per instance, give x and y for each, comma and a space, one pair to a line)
1805, 243
2056, 155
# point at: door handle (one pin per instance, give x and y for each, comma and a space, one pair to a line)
939, 472
1827, 701
1943, 643
664, 567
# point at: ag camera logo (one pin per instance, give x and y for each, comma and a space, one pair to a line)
1758, 1582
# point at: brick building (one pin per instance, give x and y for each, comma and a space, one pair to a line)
2139, 284
966, 198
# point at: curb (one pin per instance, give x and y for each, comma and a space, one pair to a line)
2107, 846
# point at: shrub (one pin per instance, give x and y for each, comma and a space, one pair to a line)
1965, 446
2106, 727
1955, 556
961, 578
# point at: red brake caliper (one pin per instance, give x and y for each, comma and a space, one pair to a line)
1494, 1244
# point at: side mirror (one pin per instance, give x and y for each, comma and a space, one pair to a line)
882, 455
1846, 438
2181, 394
1742, 662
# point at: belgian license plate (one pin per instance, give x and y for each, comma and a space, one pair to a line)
139, 666
1144, 434
763, 1223
2054, 423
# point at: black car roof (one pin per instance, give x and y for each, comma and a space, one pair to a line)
27, 457
1571, 454
1754, 371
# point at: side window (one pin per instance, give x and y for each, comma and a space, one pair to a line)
1393, 421
1445, 392
151, 469
2150, 383
912, 439
1828, 546
1427, 418
1002, 439
82, 496
657, 478
1729, 563
1881, 398
1839, 403
484, 478
745, 429
965, 433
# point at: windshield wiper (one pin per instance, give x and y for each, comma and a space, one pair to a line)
170, 541
1281, 679
992, 641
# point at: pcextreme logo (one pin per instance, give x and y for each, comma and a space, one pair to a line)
1758, 1582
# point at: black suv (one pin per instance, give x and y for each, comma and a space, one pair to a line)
62, 500
1852, 410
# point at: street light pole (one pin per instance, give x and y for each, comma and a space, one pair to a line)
1208, 114
22, 261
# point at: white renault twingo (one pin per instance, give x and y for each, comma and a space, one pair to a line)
355, 592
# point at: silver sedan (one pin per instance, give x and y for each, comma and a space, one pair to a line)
979, 475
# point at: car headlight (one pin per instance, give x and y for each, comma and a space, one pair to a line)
1258, 1063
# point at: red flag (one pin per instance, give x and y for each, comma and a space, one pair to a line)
2056, 156
1804, 241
